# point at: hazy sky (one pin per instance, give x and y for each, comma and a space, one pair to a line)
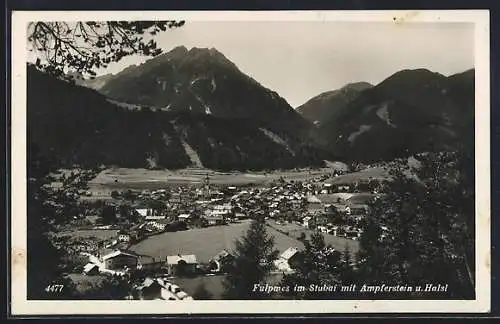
299, 60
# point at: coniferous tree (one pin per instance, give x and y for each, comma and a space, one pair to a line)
319, 264
417, 233
347, 274
254, 256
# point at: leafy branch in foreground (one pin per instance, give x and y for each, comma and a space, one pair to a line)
86, 46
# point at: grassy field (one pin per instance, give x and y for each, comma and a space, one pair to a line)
207, 242
204, 242
378, 173
122, 178
294, 230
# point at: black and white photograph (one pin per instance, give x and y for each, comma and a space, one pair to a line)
287, 162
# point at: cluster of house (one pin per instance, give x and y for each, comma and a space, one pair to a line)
159, 285
122, 262
118, 262
339, 213
314, 204
159, 288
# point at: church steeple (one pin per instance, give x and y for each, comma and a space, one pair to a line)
206, 186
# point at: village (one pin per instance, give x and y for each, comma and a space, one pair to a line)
132, 235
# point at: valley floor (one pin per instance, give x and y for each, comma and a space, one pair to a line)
145, 179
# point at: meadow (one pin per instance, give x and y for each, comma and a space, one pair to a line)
207, 242
141, 179
204, 242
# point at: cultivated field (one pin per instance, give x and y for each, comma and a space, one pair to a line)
123, 178
378, 173
207, 242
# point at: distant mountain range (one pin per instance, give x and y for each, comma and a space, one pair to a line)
199, 81
411, 111
77, 125
324, 106
196, 108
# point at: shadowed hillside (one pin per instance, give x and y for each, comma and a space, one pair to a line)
411, 111
77, 125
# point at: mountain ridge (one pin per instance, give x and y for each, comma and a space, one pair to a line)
98, 132
324, 106
411, 111
201, 81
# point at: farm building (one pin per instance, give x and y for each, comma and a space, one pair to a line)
90, 269
221, 260
314, 205
214, 219
181, 264
158, 225
119, 260
144, 211
149, 289
287, 259
150, 213
158, 289
184, 217
307, 221
360, 210
124, 236
155, 217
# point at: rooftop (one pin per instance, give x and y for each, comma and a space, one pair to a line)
289, 253
117, 253
313, 199
189, 259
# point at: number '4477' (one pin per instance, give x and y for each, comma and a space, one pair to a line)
54, 288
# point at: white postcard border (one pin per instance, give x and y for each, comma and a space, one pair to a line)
21, 306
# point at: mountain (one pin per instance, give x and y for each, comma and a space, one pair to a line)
77, 125
411, 111
327, 104
200, 81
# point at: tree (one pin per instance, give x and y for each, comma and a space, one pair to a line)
347, 274
112, 288
449, 179
115, 194
254, 256
108, 214
418, 231
128, 213
201, 293
45, 208
81, 47
86, 46
319, 264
